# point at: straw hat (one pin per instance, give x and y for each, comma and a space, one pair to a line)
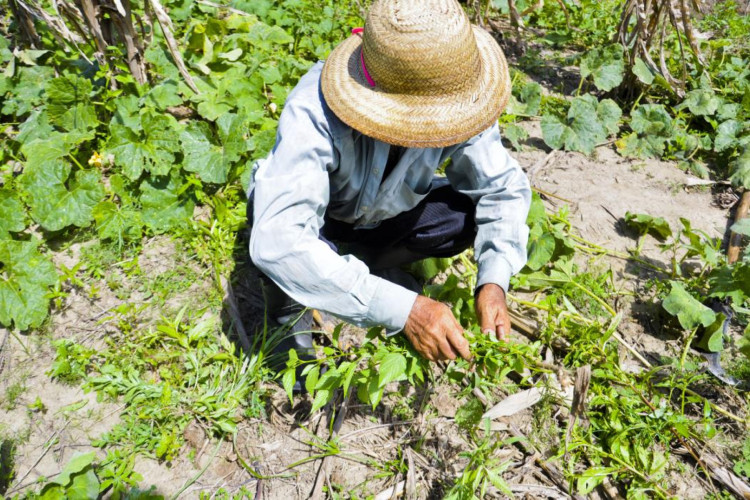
418, 75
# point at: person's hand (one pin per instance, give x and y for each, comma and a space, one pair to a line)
434, 332
492, 311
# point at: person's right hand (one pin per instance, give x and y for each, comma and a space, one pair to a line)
434, 332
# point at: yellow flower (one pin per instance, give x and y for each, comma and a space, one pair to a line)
96, 160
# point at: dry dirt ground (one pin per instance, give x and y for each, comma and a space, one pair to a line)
600, 189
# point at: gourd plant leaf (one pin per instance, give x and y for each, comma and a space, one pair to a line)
727, 135
702, 102
69, 104
657, 227
117, 223
643, 72
152, 149
514, 134
740, 168
713, 338
652, 127
587, 123
36, 126
25, 278
526, 100
58, 200
11, 213
689, 311
165, 204
605, 65
212, 155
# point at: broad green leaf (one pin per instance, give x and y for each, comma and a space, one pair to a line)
58, 202
27, 90
592, 477
740, 169
164, 95
652, 127
727, 135
469, 414
165, 207
609, 114
117, 223
587, 124
514, 134
322, 397
43, 150
392, 367
75, 465
541, 250
606, 65
127, 112
152, 150
36, 126
209, 156
311, 379
731, 281
69, 103
25, 278
742, 226
642, 71
84, 486
713, 337
657, 227
288, 380
688, 310
526, 100
11, 213
702, 102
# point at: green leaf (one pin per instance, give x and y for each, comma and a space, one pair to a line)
727, 135
288, 380
84, 486
652, 127
127, 112
75, 465
25, 278
525, 100
153, 149
643, 72
164, 204
657, 227
514, 134
702, 102
740, 169
609, 114
468, 415
117, 223
591, 478
164, 94
541, 250
606, 65
36, 126
11, 213
742, 226
58, 202
322, 397
713, 338
688, 310
209, 156
69, 103
393, 367
580, 131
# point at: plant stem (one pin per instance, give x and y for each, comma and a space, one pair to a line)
685, 350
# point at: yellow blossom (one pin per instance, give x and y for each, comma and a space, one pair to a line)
95, 160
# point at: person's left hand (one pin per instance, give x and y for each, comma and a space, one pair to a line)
492, 311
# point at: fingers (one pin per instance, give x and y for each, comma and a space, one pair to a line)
460, 344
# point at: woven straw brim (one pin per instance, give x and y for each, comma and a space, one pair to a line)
420, 121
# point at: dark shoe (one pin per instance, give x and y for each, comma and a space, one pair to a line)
295, 330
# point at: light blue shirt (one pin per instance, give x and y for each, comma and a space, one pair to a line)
319, 164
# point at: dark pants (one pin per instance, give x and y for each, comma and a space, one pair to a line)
442, 225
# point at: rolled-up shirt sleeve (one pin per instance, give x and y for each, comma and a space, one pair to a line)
483, 170
291, 193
